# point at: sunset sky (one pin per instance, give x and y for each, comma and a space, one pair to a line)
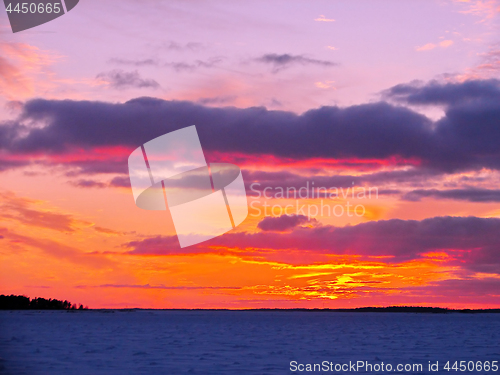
399, 97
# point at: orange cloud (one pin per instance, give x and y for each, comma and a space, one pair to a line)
322, 18
486, 9
446, 43
431, 46
325, 85
426, 47
19, 209
488, 67
23, 70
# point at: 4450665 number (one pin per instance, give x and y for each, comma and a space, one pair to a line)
34, 8
471, 366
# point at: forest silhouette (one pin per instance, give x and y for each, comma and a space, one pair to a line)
14, 302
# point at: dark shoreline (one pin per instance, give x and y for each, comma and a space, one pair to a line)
20, 302
391, 309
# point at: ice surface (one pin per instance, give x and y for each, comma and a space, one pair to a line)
232, 342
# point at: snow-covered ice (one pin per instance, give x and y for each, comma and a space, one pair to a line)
235, 342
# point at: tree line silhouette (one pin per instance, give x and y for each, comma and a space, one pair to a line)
14, 302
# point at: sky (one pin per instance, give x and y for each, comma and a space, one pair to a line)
367, 134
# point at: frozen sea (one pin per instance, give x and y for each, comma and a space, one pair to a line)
239, 342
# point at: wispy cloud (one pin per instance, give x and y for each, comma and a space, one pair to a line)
160, 286
325, 85
88, 183
426, 47
21, 66
217, 100
191, 66
446, 43
283, 61
284, 223
486, 9
431, 46
190, 46
119, 79
466, 194
26, 212
488, 66
143, 62
58, 250
322, 18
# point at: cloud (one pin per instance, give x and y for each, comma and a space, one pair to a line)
325, 85
118, 181
431, 46
426, 47
257, 181
23, 69
467, 287
159, 245
178, 66
119, 79
280, 62
374, 130
88, 184
446, 43
58, 250
123, 182
469, 243
283, 223
450, 94
107, 231
6, 164
217, 100
469, 194
322, 18
486, 9
161, 286
24, 211
10, 76
190, 46
488, 67
144, 62
185, 66
98, 136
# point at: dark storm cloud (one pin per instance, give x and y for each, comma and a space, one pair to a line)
447, 94
285, 60
366, 131
467, 138
472, 243
120, 79
469, 194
